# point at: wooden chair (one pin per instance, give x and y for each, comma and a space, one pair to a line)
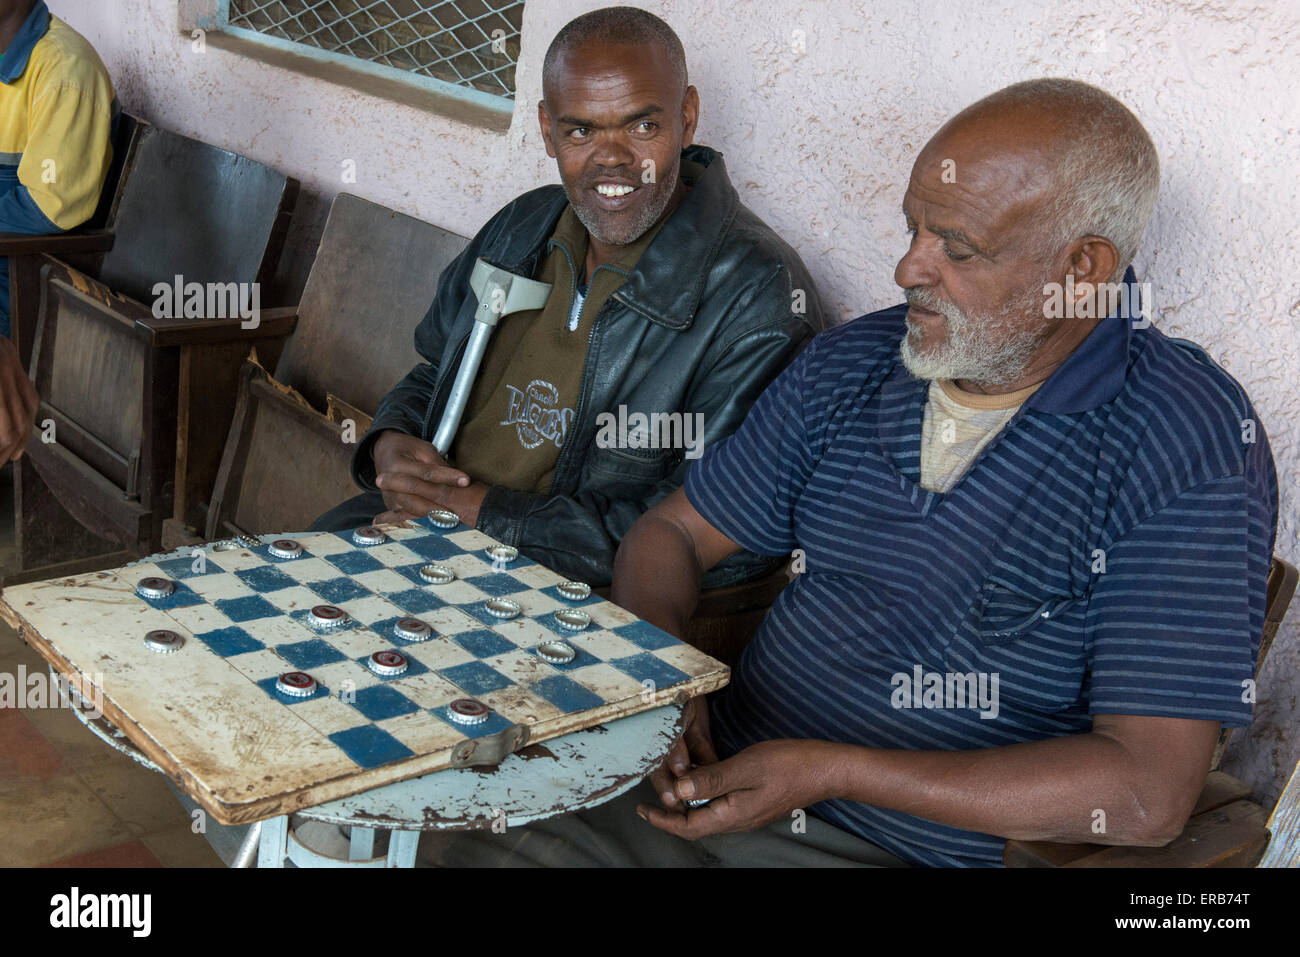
109, 372
1226, 828
284, 461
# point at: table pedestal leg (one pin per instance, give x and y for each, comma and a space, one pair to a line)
362, 846
273, 845
401, 848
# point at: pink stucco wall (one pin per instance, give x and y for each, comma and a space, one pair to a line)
820, 107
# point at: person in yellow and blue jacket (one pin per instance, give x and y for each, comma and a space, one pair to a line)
57, 114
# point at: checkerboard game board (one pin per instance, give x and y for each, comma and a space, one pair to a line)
210, 715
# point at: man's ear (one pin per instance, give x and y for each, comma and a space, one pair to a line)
544, 122
1090, 261
690, 115
1093, 260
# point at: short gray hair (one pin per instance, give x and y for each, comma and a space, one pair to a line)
1110, 171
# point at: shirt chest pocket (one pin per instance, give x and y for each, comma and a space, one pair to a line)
1005, 615
1035, 644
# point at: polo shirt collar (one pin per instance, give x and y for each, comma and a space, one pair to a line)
20, 50
1094, 372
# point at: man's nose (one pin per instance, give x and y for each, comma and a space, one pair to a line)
612, 151
918, 266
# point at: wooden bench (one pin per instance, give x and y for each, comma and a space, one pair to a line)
1225, 829
97, 481
284, 460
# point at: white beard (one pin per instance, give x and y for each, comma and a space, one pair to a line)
991, 350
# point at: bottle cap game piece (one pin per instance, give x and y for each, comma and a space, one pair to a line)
572, 619
387, 663
502, 607
502, 553
154, 587
574, 591
285, 548
163, 641
248, 541
296, 684
226, 545
368, 535
556, 652
443, 518
327, 616
412, 629
468, 711
437, 574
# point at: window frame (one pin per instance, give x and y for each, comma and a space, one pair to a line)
489, 109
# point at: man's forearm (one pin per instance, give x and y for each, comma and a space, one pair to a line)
1074, 789
657, 574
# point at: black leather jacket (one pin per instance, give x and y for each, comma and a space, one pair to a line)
704, 322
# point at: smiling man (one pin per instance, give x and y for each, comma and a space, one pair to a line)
1035, 547
668, 298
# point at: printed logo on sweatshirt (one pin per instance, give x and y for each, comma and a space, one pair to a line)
535, 414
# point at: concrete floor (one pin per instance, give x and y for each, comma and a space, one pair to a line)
66, 798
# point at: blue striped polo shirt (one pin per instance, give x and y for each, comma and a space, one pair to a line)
1106, 553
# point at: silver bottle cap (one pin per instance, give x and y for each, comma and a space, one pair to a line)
154, 587
443, 518
468, 711
163, 641
437, 574
556, 652
412, 629
285, 548
502, 607
368, 535
574, 591
502, 553
296, 684
328, 616
387, 663
572, 619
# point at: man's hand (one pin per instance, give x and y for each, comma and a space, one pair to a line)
693, 748
761, 784
415, 479
18, 403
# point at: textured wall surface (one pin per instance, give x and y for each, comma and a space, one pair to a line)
821, 108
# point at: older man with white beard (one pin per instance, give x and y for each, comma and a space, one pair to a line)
1035, 547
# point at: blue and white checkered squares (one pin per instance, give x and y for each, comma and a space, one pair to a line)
252, 612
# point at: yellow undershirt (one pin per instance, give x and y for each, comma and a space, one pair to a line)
956, 427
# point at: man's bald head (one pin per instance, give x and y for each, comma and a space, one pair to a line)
1099, 172
614, 26
1040, 185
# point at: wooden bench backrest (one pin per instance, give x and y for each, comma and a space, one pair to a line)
374, 277
128, 127
284, 463
191, 209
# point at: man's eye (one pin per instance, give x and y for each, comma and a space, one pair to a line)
579, 131
646, 126
955, 258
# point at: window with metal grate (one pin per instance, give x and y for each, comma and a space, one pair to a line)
473, 44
